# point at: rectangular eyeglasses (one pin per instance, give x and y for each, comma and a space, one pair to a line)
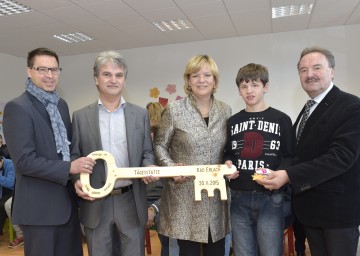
45, 70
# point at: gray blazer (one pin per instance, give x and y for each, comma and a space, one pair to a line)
86, 139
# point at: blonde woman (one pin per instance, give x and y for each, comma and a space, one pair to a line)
155, 110
192, 131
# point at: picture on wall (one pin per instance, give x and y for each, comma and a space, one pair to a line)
168, 96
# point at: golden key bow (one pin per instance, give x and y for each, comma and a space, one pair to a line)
208, 177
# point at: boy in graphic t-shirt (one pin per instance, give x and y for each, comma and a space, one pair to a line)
259, 137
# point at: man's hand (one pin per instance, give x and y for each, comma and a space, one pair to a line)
82, 164
180, 179
81, 193
274, 180
150, 178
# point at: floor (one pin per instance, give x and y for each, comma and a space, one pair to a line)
155, 247
5, 251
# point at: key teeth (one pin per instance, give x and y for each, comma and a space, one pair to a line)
223, 196
223, 193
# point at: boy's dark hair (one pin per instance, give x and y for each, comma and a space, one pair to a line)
252, 72
38, 52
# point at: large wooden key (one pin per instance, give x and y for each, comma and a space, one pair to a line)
208, 177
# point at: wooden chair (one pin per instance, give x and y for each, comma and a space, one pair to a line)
9, 229
289, 248
147, 241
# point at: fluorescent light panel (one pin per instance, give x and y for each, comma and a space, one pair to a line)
73, 37
9, 7
291, 10
173, 25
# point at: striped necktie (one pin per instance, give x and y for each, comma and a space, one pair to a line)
305, 117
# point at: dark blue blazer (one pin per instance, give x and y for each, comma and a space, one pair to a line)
326, 174
43, 192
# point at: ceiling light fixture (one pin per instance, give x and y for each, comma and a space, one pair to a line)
73, 37
173, 25
9, 7
292, 10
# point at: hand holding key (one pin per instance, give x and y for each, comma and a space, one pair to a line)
208, 177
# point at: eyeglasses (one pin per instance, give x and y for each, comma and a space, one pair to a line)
45, 70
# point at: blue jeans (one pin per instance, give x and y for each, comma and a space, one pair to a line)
227, 244
169, 246
257, 221
173, 247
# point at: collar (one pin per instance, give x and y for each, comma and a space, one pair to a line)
192, 99
320, 97
122, 104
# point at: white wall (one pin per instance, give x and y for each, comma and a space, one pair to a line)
162, 65
12, 76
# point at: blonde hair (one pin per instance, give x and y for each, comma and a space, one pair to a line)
194, 65
154, 109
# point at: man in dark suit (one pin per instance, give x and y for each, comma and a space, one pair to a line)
123, 129
326, 174
38, 130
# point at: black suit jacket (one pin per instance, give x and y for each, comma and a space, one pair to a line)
326, 174
43, 192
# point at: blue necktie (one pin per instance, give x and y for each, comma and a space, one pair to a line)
305, 117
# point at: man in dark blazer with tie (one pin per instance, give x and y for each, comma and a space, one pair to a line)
123, 129
38, 130
325, 176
